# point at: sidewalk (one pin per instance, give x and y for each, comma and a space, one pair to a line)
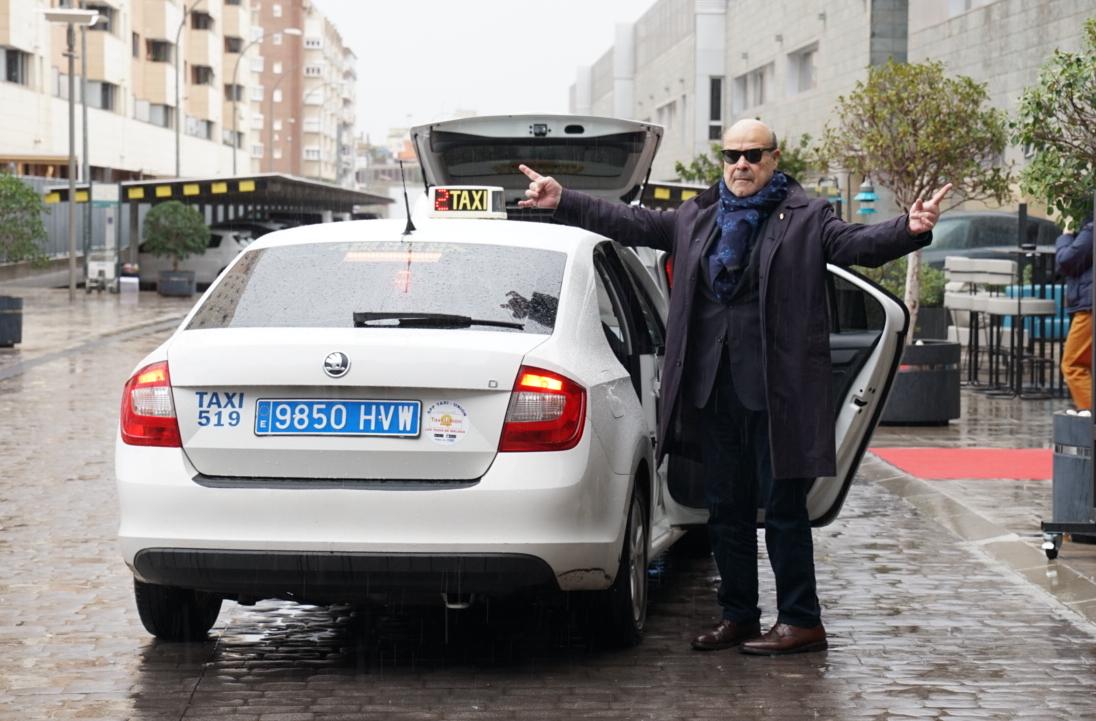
52, 325
998, 518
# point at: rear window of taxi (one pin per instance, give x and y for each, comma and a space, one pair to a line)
324, 285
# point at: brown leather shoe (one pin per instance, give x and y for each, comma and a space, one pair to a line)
725, 635
782, 639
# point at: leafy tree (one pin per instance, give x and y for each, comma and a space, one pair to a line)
708, 168
21, 229
1057, 119
175, 231
705, 168
913, 129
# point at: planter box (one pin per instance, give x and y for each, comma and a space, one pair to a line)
11, 321
926, 388
175, 283
1072, 490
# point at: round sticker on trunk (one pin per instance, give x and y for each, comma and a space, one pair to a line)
446, 422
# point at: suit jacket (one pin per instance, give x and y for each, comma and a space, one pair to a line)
797, 241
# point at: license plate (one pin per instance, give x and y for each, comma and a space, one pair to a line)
297, 416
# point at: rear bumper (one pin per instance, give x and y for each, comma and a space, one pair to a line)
551, 520
332, 577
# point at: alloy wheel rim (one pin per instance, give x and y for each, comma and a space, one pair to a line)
638, 564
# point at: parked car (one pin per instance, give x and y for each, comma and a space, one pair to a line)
224, 245
397, 422
255, 227
983, 235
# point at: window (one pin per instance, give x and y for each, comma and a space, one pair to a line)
738, 99
313, 71
257, 65
277, 67
15, 66
102, 95
136, 45
234, 92
278, 95
715, 108
106, 21
313, 43
666, 114
201, 21
227, 135
257, 92
277, 124
277, 153
159, 51
802, 74
199, 128
311, 125
201, 75
760, 85
233, 44
257, 151
277, 10
311, 153
257, 121
232, 2
276, 38
162, 115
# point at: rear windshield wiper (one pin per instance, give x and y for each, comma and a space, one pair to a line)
426, 320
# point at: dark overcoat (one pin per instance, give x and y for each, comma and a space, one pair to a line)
796, 242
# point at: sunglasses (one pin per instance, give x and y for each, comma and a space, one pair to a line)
753, 155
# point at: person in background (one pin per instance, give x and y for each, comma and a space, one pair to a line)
1073, 259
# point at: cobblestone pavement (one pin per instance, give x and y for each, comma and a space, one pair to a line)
923, 624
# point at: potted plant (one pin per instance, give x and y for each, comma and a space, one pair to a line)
176, 231
912, 129
22, 234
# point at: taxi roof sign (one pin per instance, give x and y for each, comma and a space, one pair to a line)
467, 201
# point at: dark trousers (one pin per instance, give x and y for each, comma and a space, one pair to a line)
737, 471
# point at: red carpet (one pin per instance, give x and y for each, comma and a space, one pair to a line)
1020, 464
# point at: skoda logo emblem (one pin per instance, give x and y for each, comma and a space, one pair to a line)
336, 364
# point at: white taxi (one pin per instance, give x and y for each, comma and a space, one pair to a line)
452, 408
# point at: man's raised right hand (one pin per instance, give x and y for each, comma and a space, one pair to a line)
544, 192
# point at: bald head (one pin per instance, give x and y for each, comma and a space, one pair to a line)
743, 177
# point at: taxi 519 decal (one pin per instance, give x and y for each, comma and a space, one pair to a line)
219, 409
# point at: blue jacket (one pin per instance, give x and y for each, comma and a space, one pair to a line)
1073, 259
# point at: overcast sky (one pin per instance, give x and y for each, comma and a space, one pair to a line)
422, 60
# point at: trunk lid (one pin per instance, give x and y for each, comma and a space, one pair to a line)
232, 391
606, 157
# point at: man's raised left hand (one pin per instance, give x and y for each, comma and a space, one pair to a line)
923, 216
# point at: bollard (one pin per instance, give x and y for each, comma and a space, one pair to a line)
11, 321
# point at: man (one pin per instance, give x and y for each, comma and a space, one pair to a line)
747, 361
1073, 258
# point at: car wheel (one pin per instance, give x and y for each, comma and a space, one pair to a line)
626, 599
175, 614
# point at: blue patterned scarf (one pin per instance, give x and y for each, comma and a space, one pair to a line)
738, 220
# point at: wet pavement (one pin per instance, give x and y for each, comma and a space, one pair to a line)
928, 617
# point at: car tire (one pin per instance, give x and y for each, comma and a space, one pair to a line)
626, 599
175, 614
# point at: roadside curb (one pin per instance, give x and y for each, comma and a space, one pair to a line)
1023, 557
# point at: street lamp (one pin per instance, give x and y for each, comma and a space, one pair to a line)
235, 74
71, 18
866, 197
178, 81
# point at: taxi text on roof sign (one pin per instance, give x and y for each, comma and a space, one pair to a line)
467, 201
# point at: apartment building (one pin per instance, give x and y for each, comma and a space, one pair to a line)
303, 101
696, 66
154, 67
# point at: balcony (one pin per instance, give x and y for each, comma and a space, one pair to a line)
108, 57
234, 20
19, 23
160, 19
159, 83
203, 101
204, 47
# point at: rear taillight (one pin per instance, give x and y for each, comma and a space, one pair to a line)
148, 414
546, 413
668, 268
